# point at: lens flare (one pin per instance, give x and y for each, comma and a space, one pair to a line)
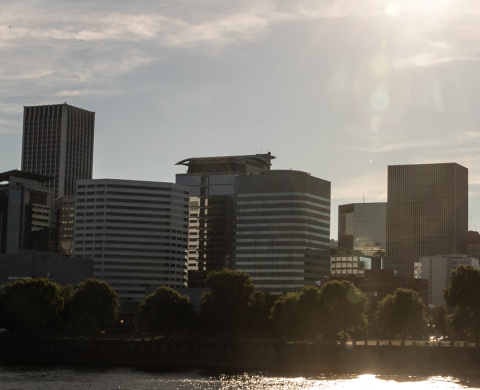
392, 9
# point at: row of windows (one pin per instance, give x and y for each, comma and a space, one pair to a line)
279, 224
269, 255
137, 264
122, 250
249, 217
276, 278
280, 240
252, 263
258, 210
131, 187
243, 248
256, 233
284, 194
136, 278
276, 285
283, 201
270, 270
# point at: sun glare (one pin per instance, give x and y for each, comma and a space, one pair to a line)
392, 9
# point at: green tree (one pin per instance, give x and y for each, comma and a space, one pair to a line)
94, 305
438, 317
66, 292
463, 297
343, 308
284, 315
225, 306
32, 305
401, 313
298, 314
165, 311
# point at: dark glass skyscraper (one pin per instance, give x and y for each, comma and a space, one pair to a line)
282, 230
363, 227
427, 212
211, 182
58, 142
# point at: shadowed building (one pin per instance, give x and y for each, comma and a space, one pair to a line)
363, 227
211, 183
58, 142
427, 212
25, 212
282, 230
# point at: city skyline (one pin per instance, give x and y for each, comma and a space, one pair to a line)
368, 85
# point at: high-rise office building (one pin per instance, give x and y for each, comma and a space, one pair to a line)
427, 212
25, 212
136, 232
363, 227
58, 142
211, 183
282, 230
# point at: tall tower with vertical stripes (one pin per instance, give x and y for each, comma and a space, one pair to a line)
58, 142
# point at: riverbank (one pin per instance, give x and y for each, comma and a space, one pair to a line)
246, 355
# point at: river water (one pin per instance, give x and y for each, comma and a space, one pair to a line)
81, 378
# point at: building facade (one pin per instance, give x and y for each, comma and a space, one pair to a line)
25, 212
58, 142
427, 212
474, 244
211, 182
51, 266
282, 230
377, 283
436, 269
65, 209
363, 227
136, 232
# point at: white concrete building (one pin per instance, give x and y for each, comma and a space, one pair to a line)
437, 270
136, 232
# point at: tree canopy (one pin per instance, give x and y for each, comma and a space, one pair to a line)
32, 305
94, 305
463, 297
164, 311
229, 304
344, 308
401, 313
438, 319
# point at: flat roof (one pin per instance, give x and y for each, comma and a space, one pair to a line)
265, 158
5, 176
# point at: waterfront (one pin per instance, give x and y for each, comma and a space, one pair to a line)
82, 378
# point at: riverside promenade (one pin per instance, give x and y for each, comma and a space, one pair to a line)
257, 354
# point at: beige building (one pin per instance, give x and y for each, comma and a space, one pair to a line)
437, 270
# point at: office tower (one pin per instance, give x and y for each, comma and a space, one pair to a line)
211, 183
65, 209
437, 270
25, 212
282, 230
58, 142
136, 232
351, 265
427, 212
363, 227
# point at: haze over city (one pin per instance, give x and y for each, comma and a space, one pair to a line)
338, 89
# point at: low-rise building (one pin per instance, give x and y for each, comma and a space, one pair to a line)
437, 270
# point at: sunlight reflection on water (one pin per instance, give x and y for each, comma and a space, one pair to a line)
75, 378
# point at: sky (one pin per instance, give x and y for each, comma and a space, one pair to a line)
337, 88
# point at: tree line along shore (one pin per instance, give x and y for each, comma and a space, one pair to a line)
233, 307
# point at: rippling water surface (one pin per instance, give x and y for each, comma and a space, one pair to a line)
73, 378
